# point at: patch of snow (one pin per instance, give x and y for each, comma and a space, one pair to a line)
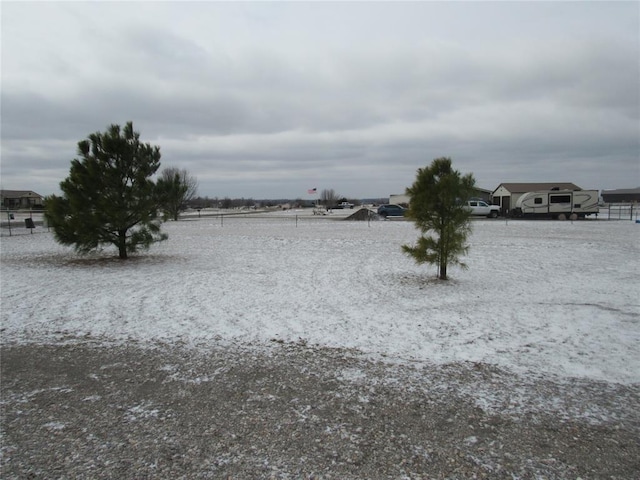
92, 398
471, 440
54, 426
142, 411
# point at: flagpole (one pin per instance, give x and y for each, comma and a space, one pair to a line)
313, 191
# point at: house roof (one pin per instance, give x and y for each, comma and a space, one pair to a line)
532, 187
18, 194
622, 191
622, 195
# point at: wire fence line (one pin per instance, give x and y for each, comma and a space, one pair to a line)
25, 222
18, 222
620, 211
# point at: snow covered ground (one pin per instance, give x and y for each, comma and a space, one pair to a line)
539, 298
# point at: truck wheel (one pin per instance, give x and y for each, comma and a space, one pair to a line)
562, 216
493, 214
573, 216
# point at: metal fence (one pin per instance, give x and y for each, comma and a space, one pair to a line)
620, 211
18, 222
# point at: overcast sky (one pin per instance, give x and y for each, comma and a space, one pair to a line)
268, 100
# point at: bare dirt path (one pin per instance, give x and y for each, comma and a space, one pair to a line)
88, 410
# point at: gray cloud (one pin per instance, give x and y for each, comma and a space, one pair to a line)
267, 100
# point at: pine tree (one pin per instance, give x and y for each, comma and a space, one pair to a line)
109, 196
437, 207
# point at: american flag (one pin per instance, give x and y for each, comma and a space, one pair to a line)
312, 190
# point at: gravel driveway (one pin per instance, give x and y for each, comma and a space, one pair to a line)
84, 409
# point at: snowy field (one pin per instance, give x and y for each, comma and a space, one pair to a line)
539, 298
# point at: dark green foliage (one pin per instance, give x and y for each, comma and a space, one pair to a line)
109, 197
437, 208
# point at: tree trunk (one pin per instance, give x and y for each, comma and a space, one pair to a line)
443, 271
122, 245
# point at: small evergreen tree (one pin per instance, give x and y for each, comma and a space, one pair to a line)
437, 207
109, 197
176, 187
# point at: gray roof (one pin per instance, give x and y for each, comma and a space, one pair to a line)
533, 187
18, 194
622, 191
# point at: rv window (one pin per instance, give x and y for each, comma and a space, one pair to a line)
560, 199
538, 201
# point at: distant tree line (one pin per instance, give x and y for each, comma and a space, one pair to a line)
230, 203
216, 202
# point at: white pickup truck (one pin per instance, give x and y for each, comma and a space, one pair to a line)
483, 209
344, 205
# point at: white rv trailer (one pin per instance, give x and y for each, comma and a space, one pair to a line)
560, 204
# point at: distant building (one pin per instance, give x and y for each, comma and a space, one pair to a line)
483, 194
507, 194
623, 195
18, 199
